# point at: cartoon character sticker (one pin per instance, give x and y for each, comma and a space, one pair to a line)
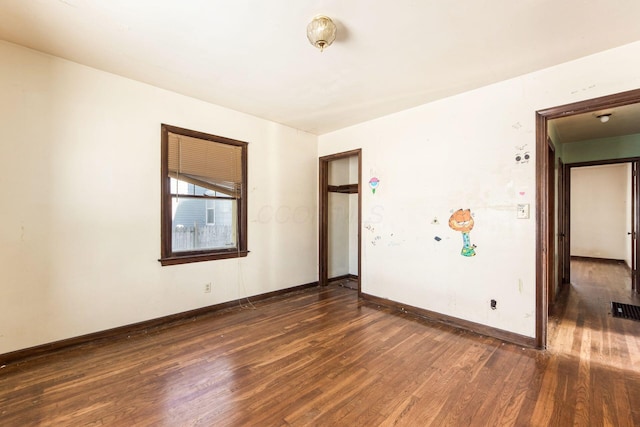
462, 221
522, 155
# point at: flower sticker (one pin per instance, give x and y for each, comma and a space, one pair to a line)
373, 183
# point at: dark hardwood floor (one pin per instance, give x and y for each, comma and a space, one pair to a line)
595, 366
322, 357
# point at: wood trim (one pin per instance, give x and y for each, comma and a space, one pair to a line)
323, 220
635, 225
243, 203
566, 219
122, 332
609, 101
323, 223
359, 225
167, 256
346, 189
541, 231
341, 155
552, 287
176, 260
478, 328
343, 277
589, 105
165, 186
561, 236
596, 259
634, 201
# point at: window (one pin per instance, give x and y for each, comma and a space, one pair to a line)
211, 212
204, 197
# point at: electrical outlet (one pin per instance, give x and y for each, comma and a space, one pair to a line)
494, 304
207, 288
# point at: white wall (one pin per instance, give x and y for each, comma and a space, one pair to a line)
80, 191
459, 153
600, 211
616, 147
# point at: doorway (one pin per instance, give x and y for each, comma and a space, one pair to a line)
340, 201
546, 219
601, 211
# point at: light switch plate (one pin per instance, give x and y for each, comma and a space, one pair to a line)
523, 210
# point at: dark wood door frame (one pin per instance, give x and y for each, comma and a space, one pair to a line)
635, 222
564, 247
323, 191
551, 220
543, 242
635, 226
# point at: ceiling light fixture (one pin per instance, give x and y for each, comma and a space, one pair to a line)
321, 32
604, 118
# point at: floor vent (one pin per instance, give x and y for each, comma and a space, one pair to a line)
625, 311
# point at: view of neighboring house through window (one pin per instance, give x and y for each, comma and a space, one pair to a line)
194, 224
203, 196
211, 212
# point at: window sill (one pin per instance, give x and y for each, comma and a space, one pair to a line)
185, 259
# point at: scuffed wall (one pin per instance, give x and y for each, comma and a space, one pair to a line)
80, 190
466, 152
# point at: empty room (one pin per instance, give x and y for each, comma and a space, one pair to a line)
244, 213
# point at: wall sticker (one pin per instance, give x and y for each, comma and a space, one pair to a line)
373, 183
462, 221
522, 154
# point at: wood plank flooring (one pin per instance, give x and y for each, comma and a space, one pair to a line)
596, 358
322, 357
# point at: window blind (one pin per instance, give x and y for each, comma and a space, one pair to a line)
208, 164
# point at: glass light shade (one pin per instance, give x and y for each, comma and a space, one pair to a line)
321, 32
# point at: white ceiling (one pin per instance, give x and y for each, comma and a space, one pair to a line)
253, 55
